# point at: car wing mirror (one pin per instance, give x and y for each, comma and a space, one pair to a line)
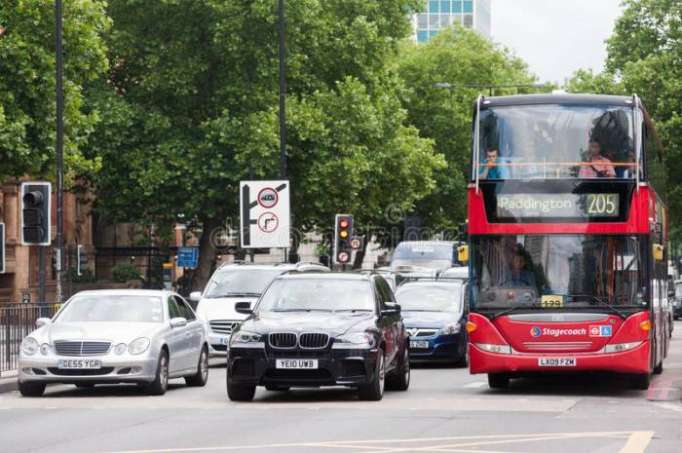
195, 296
178, 322
243, 308
40, 322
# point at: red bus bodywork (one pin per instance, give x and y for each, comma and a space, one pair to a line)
516, 346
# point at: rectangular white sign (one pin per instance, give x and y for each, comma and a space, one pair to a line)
264, 214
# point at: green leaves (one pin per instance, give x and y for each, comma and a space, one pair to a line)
27, 84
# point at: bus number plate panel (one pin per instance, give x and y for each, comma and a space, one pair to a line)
556, 361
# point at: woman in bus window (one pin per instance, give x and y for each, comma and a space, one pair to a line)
599, 166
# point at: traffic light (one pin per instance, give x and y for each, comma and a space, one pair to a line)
2, 248
35, 210
81, 260
343, 231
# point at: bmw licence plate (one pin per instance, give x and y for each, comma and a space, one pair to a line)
83, 364
557, 361
296, 364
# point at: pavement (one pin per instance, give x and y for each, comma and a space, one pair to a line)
445, 410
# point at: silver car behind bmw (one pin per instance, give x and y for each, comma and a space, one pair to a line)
116, 336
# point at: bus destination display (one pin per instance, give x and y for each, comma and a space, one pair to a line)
558, 205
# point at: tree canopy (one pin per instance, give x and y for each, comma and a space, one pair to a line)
27, 83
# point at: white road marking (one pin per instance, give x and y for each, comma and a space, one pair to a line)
637, 442
474, 385
670, 406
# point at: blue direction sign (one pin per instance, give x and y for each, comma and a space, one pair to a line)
188, 257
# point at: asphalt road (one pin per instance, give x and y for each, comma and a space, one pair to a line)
445, 410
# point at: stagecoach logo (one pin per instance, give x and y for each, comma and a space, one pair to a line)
549, 332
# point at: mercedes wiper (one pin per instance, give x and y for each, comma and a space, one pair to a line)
604, 301
291, 310
235, 294
353, 310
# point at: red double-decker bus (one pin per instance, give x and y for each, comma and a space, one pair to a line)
567, 234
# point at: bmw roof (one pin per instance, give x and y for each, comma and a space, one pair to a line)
571, 99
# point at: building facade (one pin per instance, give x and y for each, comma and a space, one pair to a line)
440, 14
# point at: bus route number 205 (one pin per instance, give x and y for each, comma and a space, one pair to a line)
602, 204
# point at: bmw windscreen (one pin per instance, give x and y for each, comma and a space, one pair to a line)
112, 309
557, 271
289, 295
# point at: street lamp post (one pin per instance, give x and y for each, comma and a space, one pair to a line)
59, 148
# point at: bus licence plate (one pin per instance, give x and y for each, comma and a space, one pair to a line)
296, 364
82, 364
556, 361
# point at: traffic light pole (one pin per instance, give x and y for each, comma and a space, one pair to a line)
59, 148
282, 100
41, 274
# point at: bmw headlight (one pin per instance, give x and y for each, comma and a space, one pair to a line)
29, 346
357, 340
450, 329
245, 337
121, 348
138, 346
44, 349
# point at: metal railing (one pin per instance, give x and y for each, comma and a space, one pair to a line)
17, 321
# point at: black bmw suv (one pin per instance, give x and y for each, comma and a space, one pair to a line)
312, 330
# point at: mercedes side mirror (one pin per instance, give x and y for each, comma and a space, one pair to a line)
243, 308
195, 296
40, 322
178, 322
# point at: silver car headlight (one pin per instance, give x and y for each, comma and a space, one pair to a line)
245, 337
357, 340
45, 349
121, 348
29, 346
138, 346
450, 329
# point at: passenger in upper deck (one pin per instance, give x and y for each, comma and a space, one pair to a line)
491, 168
600, 166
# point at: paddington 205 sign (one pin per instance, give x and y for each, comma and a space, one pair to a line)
605, 205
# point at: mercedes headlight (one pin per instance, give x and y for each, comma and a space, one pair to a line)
450, 329
29, 346
120, 348
244, 337
361, 340
44, 349
138, 346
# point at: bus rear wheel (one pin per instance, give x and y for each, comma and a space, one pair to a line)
498, 381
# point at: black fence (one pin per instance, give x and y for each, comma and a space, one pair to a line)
17, 321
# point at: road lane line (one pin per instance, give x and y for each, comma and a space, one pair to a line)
474, 385
638, 442
670, 406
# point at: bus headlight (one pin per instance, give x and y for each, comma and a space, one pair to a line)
496, 348
620, 347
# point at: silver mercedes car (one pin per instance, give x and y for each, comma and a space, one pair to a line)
116, 336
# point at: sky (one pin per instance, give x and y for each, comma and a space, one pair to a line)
555, 37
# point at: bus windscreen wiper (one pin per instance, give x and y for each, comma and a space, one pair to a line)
602, 301
513, 309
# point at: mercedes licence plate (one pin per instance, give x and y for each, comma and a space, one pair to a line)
84, 364
296, 364
419, 344
556, 361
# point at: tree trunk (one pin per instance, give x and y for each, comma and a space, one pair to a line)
207, 255
360, 254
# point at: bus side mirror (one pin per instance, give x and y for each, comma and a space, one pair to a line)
463, 253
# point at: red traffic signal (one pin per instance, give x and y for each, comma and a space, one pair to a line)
343, 230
